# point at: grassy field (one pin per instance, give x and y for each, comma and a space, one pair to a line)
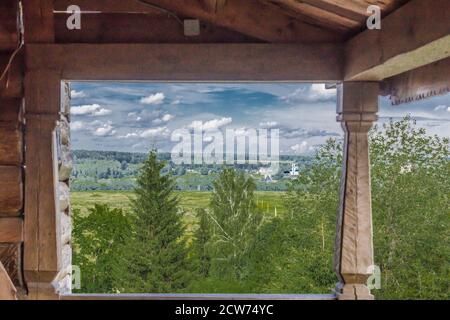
271, 203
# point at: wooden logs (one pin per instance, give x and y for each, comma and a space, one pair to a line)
11, 191
11, 230
357, 108
12, 84
11, 135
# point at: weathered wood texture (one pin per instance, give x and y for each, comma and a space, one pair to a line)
140, 28
413, 36
190, 62
11, 230
39, 21
11, 190
357, 108
11, 258
11, 132
249, 17
418, 84
42, 256
8, 25
12, 84
7, 289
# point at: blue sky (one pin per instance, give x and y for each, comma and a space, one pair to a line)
137, 116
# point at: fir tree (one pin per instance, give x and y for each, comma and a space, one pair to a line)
155, 260
200, 246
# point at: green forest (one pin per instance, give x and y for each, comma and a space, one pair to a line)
155, 234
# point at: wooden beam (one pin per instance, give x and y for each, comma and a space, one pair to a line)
428, 81
249, 17
11, 230
190, 62
415, 35
7, 289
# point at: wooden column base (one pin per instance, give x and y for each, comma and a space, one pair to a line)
353, 291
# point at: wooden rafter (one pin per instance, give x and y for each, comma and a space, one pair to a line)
415, 35
249, 17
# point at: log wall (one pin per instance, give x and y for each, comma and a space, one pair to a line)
11, 149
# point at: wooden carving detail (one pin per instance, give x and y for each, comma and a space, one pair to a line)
358, 104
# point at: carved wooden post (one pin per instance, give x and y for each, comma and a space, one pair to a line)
357, 108
42, 258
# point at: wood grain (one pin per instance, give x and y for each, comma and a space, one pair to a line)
11, 230
415, 35
11, 193
191, 62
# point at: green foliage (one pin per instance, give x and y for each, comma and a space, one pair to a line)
98, 237
155, 258
230, 248
202, 237
235, 223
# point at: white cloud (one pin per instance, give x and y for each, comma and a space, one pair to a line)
167, 117
90, 109
74, 94
106, 129
317, 92
268, 124
77, 125
155, 132
211, 124
156, 98
300, 147
129, 135
441, 108
175, 102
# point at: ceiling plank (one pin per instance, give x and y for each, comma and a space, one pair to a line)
249, 17
415, 35
190, 62
214, 6
321, 17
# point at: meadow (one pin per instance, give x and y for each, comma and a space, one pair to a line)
271, 203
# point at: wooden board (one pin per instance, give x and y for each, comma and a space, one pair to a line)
191, 62
7, 289
11, 193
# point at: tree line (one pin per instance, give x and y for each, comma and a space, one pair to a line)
237, 249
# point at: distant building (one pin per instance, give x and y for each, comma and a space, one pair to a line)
294, 171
